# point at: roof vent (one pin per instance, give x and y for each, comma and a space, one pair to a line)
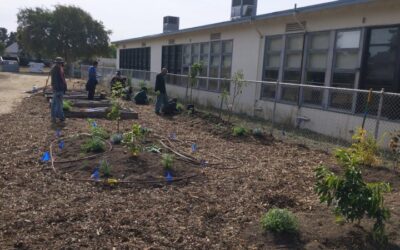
215, 36
295, 27
171, 24
243, 8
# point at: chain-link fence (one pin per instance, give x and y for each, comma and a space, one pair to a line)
331, 113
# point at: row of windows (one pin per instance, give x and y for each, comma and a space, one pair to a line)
137, 59
215, 56
332, 58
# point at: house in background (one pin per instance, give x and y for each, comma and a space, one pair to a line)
351, 44
12, 50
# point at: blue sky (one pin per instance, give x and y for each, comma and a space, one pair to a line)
133, 18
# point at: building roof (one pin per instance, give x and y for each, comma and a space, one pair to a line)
12, 49
311, 8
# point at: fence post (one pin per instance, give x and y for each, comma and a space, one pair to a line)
274, 110
378, 118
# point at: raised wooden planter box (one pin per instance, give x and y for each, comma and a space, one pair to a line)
100, 112
90, 103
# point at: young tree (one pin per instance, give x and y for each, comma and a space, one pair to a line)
238, 83
67, 31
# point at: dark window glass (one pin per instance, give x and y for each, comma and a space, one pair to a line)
316, 78
312, 96
341, 100
345, 80
290, 94
271, 75
268, 91
292, 76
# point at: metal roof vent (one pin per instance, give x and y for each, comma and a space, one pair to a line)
171, 24
295, 27
243, 8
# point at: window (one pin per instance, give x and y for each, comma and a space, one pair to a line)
272, 63
318, 46
137, 59
345, 66
204, 52
172, 59
226, 65
292, 66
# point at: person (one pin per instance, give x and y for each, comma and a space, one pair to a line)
118, 78
59, 86
170, 108
92, 81
162, 98
127, 93
141, 97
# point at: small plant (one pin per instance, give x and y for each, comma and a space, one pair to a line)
364, 148
67, 105
238, 84
96, 130
115, 113
179, 107
351, 196
134, 138
394, 146
279, 221
239, 131
195, 70
167, 161
94, 144
224, 99
117, 90
116, 139
105, 168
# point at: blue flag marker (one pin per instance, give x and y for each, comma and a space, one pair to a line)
94, 124
58, 133
194, 147
45, 157
95, 174
169, 177
173, 136
61, 145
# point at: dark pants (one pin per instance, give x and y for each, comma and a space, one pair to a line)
91, 92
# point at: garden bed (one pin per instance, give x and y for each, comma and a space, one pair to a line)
99, 112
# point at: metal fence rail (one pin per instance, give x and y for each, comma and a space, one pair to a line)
332, 111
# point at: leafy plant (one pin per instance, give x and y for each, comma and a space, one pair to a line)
105, 168
94, 144
117, 90
67, 105
167, 161
224, 99
279, 221
179, 107
239, 131
195, 70
96, 130
351, 197
116, 138
364, 148
134, 138
394, 146
115, 113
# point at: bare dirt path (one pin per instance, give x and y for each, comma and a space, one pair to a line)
12, 87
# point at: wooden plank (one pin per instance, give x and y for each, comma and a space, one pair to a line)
90, 103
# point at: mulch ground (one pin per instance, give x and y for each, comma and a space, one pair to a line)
220, 209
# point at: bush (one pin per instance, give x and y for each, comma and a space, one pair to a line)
94, 144
239, 131
364, 148
351, 196
279, 221
67, 105
116, 138
167, 161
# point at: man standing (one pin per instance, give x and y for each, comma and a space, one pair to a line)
59, 86
162, 98
92, 81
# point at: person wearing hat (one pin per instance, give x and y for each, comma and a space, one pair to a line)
59, 86
92, 81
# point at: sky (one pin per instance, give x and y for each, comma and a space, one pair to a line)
135, 18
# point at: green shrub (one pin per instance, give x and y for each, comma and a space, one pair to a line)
239, 131
94, 144
116, 138
351, 197
105, 168
97, 131
134, 138
167, 161
279, 221
67, 105
364, 148
117, 90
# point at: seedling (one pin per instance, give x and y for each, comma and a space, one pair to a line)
94, 144
105, 168
134, 138
238, 84
115, 113
117, 90
239, 131
167, 161
97, 131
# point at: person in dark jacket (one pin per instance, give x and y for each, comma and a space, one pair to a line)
170, 108
162, 98
118, 78
92, 81
59, 86
141, 97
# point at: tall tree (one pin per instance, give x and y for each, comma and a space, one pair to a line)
67, 31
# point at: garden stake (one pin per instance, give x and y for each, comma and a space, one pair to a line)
367, 108
45, 157
58, 133
61, 145
194, 147
95, 174
169, 177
